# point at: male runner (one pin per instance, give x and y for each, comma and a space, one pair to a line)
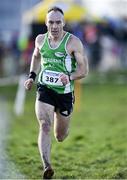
60, 58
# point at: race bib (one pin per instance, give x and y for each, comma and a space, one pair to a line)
52, 78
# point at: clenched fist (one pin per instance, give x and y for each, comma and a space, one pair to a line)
28, 83
64, 79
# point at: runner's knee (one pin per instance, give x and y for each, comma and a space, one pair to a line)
61, 137
45, 126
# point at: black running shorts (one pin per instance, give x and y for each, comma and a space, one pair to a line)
62, 102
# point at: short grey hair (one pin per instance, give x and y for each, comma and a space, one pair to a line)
55, 8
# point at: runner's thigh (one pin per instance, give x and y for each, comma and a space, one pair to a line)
44, 111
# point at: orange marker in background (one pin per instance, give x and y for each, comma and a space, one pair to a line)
78, 94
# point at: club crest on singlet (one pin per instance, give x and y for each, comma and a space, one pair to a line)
59, 54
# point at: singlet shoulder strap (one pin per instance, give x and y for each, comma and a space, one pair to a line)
64, 41
67, 39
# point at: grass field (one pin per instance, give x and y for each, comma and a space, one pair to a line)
96, 147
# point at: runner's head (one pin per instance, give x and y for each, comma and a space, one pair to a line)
55, 21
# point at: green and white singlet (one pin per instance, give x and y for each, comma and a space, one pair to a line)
55, 61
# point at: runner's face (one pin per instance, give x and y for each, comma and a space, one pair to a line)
55, 23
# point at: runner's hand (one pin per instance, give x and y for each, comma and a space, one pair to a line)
28, 83
64, 79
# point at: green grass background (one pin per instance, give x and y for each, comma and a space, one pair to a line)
97, 144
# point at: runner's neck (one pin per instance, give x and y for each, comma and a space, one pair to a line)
56, 39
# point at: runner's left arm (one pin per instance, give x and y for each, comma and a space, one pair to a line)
81, 59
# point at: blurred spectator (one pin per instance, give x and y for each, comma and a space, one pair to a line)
15, 52
26, 56
77, 30
92, 39
122, 38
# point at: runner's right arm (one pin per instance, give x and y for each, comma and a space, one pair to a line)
35, 63
36, 57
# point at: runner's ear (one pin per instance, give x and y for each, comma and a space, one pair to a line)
63, 23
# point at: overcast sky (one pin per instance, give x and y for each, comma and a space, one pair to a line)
114, 8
